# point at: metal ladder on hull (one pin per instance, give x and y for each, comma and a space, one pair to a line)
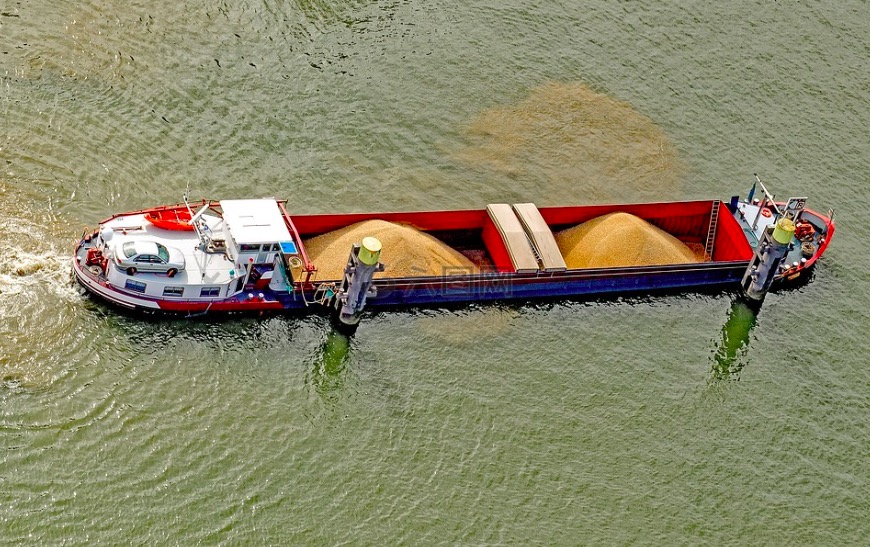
711, 231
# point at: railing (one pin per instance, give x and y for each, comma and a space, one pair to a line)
309, 267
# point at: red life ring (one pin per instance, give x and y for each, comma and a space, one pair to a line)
766, 212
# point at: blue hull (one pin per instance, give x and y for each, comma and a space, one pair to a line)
571, 284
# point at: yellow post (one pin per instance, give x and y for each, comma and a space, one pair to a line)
783, 231
370, 251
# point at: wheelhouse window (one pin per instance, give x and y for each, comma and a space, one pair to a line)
249, 248
210, 291
173, 291
136, 286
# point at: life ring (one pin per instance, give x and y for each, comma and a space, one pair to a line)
804, 230
295, 262
765, 212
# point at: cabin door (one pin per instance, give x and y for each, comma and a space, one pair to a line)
263, 256
268, 253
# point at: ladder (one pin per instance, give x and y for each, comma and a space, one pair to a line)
711, 231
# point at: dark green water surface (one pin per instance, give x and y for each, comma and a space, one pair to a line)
661, 420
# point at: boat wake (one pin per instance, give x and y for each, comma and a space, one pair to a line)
37, 300
20, 269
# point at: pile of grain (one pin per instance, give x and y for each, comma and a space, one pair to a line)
407, 252
620, 239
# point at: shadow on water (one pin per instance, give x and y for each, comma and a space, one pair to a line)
246, 342
731, 355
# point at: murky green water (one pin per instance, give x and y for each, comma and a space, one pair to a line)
679, 419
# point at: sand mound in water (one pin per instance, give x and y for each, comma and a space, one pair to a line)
407, 252
621, 239
565, 141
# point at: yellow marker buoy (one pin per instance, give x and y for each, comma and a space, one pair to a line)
370, 251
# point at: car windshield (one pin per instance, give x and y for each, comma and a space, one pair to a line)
129, 249
162, 253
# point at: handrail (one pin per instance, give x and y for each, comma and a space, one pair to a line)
309, 267
179, 205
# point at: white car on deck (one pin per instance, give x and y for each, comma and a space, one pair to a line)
142, 255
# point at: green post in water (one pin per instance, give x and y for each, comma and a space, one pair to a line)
729, 357
370, 251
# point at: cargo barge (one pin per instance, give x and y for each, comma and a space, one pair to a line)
249, 255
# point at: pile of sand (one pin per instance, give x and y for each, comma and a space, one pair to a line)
407, 252
621, 239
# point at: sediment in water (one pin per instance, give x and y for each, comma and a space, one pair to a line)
565, 141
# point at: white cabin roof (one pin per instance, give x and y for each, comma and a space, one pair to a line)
254, 221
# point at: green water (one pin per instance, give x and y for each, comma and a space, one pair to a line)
661, 420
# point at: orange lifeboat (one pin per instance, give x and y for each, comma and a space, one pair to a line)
170, 219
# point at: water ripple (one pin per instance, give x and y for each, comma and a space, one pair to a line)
659, 419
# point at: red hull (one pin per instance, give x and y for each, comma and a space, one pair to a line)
472, 232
